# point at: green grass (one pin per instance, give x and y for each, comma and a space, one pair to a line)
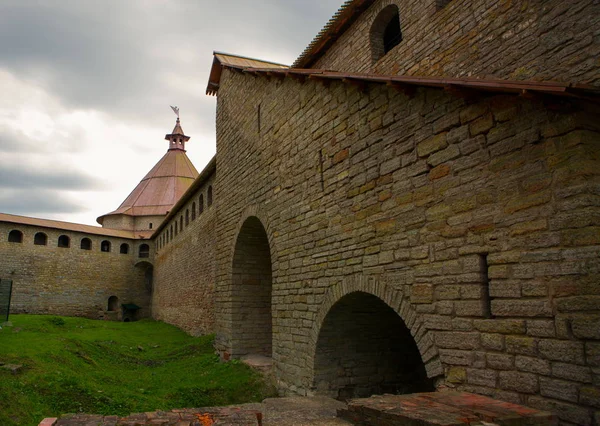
74, 365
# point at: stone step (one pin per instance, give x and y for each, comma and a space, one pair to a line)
441, 409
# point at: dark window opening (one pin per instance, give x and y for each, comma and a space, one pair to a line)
15, 236
144, 251
386, 32
392, 35
486, 307
171, 235
201, 204
40, 239
150, 226
193, 211
124, 249
209, 197
105, 246
64, 241
113, 303
86, 244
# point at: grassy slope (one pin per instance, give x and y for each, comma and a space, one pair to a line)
78, 365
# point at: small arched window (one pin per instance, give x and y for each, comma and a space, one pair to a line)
187, 217
40, 239
113, 303
386, 32
201, 204
193, 211
150, 225
171, 234
86, 244
64, 241
144, 251
209, 197
124, 249
105, 246
181, 224
15, 236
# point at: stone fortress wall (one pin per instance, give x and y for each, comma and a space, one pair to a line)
469, 224
48, 279
185, 263
506, 39
476, 222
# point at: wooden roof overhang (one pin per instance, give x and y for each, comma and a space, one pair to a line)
462, 87
337, 25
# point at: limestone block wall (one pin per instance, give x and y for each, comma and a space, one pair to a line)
48, 279
476, 222
516, 39
185, 266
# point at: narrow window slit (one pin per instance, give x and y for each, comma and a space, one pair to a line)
485, 286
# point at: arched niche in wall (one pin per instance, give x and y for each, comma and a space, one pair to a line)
86, 244
64, 241
386, 32
40, 239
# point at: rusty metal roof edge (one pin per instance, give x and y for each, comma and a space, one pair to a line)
215, 52
208, 171
67, 226
549, 87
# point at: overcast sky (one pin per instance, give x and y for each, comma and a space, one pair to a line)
85, 89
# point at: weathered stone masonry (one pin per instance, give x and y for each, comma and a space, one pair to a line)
421, 202
508, 39
48, 279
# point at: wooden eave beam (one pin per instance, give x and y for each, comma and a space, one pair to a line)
407, 90
462, 92
361, 85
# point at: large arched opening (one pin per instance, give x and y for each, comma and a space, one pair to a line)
365, 348
251, 291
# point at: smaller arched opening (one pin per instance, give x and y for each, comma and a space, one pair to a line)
105, 246
64, 241
86, 244
209, 196
386, 32
144, 251
193, 211
124, 249
364, 348
201, 204
15, 236
113, 303
40, 239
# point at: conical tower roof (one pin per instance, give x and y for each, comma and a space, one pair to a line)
164, 185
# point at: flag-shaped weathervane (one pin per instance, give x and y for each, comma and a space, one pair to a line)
175, 110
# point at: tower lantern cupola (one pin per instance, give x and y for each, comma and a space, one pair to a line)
177, 138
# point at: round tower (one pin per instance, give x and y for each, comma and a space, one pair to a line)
150, 201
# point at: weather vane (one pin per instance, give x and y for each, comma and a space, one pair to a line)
175, 110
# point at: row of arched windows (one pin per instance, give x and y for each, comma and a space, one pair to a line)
64, 241
177, 225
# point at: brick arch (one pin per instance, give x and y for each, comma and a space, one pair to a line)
250, 271
393, 298
258, 212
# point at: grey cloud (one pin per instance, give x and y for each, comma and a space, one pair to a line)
109, 55
17, 177
38, 203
